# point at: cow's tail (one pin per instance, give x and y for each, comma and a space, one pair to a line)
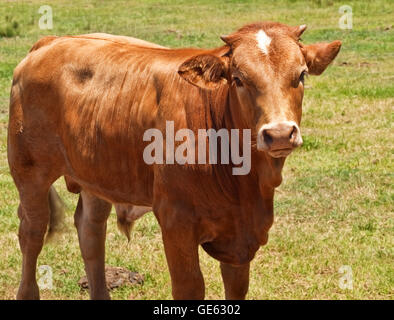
124, 225
126, 215
56, 214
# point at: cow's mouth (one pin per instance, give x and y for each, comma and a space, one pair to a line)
280, 153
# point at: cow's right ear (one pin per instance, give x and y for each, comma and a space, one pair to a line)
205, 71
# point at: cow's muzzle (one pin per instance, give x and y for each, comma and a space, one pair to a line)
279, 138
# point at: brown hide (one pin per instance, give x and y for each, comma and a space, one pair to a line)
80, 106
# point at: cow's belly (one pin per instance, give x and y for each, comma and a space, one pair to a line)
137, 193
107, 160
110, 173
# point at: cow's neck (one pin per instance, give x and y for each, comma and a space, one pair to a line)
266, 169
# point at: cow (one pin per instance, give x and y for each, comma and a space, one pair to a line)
80, 106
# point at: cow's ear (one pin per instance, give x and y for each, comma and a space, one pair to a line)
205, 71
298, 31
319, 55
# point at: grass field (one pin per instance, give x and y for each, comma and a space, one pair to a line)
335, 205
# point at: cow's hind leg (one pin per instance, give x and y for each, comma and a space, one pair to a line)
91, 221
236, 280
33, 213
33, 181
35, 161
39, 209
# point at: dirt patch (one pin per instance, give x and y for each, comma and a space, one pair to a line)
116, 277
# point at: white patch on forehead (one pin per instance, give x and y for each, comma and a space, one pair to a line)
263, 41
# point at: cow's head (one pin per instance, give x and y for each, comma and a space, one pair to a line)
264, 65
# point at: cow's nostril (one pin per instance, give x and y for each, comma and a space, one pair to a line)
267, 138
293, 133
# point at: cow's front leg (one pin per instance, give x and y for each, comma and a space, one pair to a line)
236, 280
181, 250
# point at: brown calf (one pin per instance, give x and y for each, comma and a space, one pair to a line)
80, 106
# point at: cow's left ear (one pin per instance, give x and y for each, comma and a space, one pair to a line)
205, 71
319, 55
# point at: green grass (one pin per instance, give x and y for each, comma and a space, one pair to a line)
335, 206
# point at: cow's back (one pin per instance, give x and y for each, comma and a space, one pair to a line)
96, 94
124, 39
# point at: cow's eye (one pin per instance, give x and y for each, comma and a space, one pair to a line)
302, 76
238, 82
